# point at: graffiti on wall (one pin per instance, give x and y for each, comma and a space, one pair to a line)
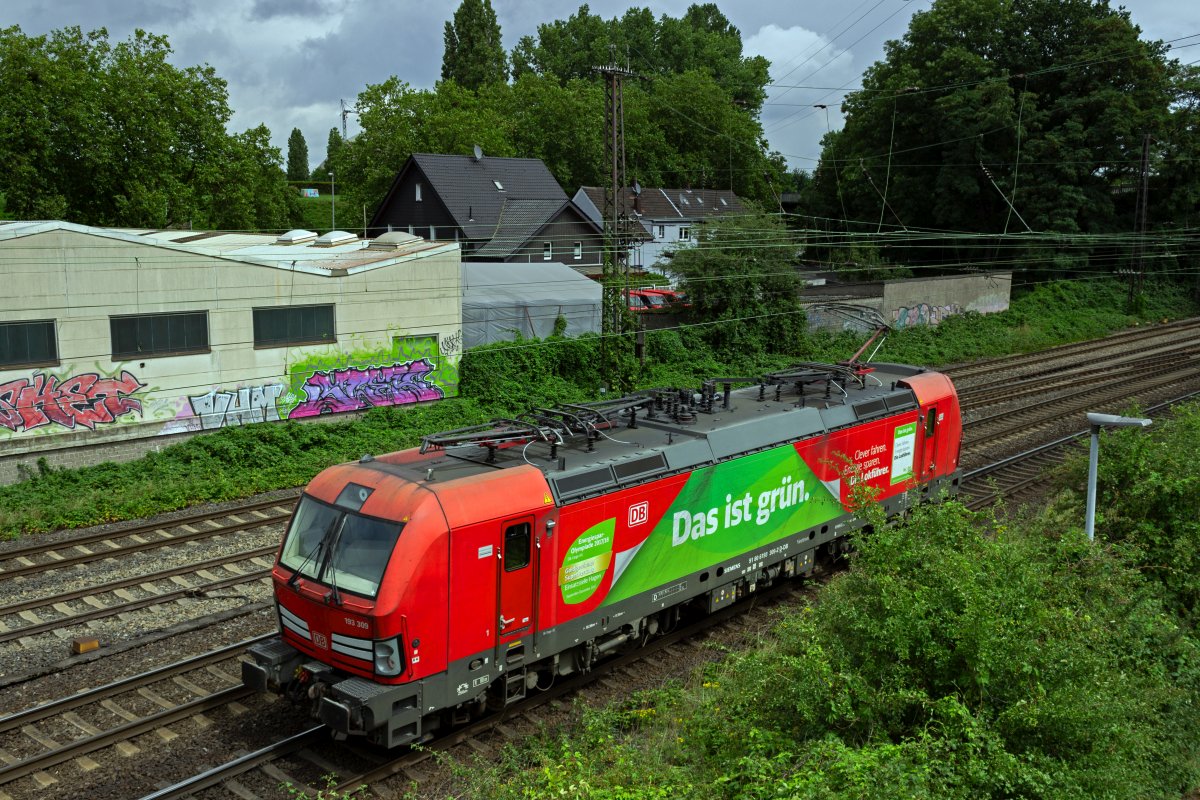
923, 314
219, 408
86, 399
408, 369
361, 388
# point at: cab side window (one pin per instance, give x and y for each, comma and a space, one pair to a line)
930, 421
517, 542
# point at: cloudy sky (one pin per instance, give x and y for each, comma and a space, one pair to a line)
289, 62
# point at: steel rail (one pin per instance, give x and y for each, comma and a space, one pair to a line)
222, 773
87, 558
1065, 350
132, 605
38, 763
64, 704
1020, 386
142, 528
111, 586
976, 474
1133, 387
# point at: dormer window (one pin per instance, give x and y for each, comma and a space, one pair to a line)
499, 186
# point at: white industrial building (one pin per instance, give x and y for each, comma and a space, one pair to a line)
109, 335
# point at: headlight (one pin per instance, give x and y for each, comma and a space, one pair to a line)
389, 661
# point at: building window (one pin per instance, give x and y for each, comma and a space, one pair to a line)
547, 251
28, 344
417, 196
662, 231
287, 325
685, 234
156, 335
432, 234
577, 251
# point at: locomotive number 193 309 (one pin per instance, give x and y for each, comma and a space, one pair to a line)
418, 588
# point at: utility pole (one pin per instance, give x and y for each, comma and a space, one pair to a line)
616, 222
1138, 273
345, 113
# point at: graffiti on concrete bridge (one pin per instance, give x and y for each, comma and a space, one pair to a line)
923, 314
360, 388
85, 400
219, 408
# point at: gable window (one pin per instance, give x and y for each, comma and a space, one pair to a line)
156, 335
288, 325
577, 250
417, 197
685, 233
28, 344
547, 251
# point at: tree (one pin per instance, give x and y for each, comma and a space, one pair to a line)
248, 188
741, 276
703, 40
333, 147
104, 134
990, 112
297, 160
474, 55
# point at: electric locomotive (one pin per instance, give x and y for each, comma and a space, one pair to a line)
419, 588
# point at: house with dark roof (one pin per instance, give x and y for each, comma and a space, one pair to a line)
667, 215
498, 209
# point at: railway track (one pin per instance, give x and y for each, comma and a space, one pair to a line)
71, 729
1144, 338
41, 556
60, 612
1014, 477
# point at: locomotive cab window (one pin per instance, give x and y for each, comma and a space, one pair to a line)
516, 547
337, 547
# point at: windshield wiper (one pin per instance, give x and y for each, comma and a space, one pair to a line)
291, 582
331, 562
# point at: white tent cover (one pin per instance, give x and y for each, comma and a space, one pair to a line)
500, 301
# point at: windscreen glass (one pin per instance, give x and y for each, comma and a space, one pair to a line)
341, 549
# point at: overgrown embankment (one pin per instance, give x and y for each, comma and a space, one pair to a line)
508, 378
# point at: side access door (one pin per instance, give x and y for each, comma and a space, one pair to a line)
516, 580
927, 467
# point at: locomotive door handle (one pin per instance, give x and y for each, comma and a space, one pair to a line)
504, 622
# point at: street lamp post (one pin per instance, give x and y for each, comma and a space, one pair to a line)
1098, 421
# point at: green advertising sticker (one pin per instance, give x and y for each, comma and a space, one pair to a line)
904, 443
586, 562
725, 510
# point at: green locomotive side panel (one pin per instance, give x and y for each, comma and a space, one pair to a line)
725, 510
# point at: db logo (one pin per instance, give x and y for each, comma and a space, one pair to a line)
320, 641
639, 513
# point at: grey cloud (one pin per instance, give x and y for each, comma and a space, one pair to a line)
264, 10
